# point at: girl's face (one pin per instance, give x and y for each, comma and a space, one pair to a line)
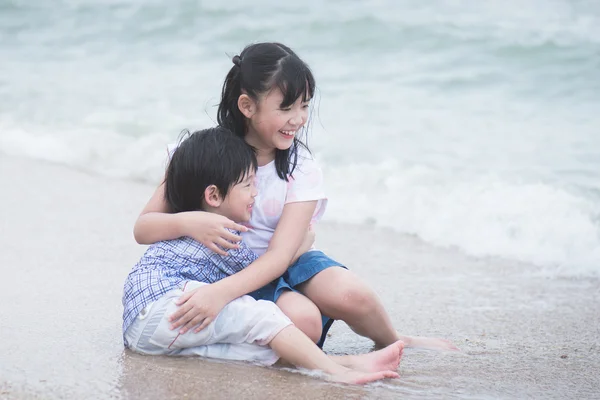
272, 127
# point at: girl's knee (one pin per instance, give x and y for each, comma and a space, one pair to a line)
308, 322
356, 300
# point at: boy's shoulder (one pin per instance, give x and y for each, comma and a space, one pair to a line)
182, 245
185, 245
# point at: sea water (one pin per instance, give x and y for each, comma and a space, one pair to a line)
472, 125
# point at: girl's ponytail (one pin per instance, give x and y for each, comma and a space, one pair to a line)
228, 114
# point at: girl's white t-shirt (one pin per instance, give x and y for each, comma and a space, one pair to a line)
305, 184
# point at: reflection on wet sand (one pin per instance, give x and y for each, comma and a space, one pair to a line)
181, 377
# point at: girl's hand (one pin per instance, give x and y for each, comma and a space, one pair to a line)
198, 306
210, 230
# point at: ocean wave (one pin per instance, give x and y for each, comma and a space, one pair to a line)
448, 90
483, 215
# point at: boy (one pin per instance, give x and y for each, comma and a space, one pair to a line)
213, 171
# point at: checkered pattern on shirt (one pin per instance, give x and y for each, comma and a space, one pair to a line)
169, 264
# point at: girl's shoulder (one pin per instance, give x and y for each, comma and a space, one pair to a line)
305, 160
303, 153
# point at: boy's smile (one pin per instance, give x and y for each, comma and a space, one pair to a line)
239, 201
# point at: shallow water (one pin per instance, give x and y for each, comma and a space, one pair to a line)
67, 247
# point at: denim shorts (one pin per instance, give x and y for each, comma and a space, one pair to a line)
308, 265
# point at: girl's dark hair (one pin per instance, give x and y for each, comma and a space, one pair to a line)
258, 69
213, 156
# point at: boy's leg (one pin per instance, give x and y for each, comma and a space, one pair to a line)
244, 321
353, 302
233, 351
296, 348
241, 331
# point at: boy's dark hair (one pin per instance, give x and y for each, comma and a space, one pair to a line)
213, 156
259, 68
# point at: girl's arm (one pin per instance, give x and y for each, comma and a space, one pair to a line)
289, 235
155, 223
207, 301
307, 243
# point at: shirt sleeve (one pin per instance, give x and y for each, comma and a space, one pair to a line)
306, 184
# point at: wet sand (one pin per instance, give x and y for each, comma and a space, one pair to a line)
67, 247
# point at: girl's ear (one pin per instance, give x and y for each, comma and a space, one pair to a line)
212, 197
246, 105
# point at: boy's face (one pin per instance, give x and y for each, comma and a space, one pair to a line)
237, 205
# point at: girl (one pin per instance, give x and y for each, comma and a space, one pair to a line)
265, 100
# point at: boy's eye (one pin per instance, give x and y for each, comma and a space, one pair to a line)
286, 109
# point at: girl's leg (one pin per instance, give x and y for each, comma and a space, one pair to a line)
301, 310
340, 294
303, 313
295, 347
385, 359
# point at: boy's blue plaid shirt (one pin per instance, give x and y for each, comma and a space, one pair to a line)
169, 264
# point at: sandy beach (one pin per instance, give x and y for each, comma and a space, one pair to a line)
67, 246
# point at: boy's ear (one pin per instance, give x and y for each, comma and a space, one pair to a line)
212, 197
246, 105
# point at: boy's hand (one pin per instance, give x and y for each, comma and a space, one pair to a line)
198, 306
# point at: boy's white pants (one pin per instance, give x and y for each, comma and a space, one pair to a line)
241, 330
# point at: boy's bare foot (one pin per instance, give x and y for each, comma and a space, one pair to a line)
360, 378
422, 342
386, 359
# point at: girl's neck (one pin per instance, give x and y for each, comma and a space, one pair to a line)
264, 154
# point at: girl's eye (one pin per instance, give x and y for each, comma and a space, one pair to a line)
286, 109
305, 106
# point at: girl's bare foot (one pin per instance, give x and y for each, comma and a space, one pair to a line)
386, 359
353, 377
422, 342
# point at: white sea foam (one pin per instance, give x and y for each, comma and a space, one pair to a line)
533, 222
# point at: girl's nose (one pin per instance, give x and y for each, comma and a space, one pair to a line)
297, 120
